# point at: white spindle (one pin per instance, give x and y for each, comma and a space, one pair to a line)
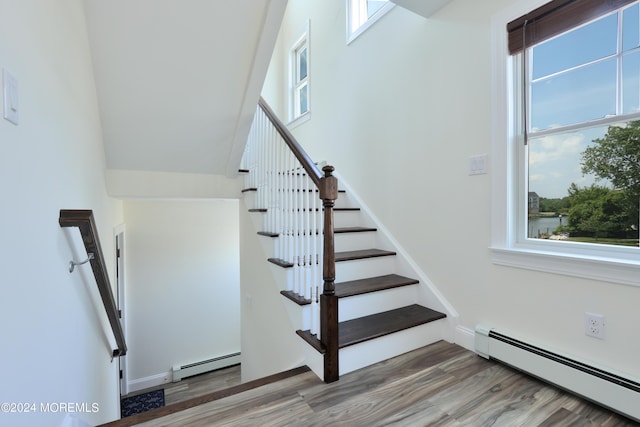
293, 209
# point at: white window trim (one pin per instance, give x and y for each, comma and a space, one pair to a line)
295, 121
352, 35
609, 264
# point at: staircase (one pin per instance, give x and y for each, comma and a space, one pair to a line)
382, 309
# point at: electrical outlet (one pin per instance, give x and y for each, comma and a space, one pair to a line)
594, 325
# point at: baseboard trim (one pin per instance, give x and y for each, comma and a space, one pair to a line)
148, 382
465, 337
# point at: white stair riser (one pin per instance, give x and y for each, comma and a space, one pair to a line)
363, 268
250, 199
345, 201
268, 246
367, 353
376, 302
282, 275
349, 270
355, 241
343, 242
300, 315
347, 219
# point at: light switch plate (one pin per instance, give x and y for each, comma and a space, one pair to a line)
10, 95
478, 164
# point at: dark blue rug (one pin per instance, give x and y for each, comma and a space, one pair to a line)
141, 403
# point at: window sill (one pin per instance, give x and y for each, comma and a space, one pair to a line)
613, 270
299, 120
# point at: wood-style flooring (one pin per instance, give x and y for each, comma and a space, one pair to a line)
201, 385
197, 386
438, 385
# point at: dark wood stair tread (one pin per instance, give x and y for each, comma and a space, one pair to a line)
295, 297
380, 324
342, 256
377, 325
362, 254
280, 262
299, 210
372, 284
353, 229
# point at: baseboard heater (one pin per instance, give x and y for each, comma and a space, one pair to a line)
184, 371
611, 390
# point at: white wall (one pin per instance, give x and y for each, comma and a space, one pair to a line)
152, 184
269, 342
183, 284
398, 112
54, 347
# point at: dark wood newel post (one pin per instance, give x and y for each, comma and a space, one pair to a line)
328, 299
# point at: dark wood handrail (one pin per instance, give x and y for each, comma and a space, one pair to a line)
328, 186
83, 219
304, 159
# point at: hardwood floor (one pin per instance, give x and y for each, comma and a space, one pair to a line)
197, 386
439, 385
202, 384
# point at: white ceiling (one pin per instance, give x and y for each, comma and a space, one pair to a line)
178, 80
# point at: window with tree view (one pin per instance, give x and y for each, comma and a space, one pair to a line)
581, 153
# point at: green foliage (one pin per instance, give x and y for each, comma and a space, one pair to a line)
616, 158
555, 205
600, 212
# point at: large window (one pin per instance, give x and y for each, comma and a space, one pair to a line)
361, 14
583, 140
574, 113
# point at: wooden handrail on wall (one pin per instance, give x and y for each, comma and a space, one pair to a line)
83, 219
328, 186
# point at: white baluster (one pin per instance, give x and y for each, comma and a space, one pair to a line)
294, 210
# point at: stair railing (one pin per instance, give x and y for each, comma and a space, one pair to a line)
289, 186
83, 219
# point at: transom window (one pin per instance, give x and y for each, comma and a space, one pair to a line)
361, 14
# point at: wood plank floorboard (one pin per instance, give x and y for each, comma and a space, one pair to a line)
202, 384
438, 385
